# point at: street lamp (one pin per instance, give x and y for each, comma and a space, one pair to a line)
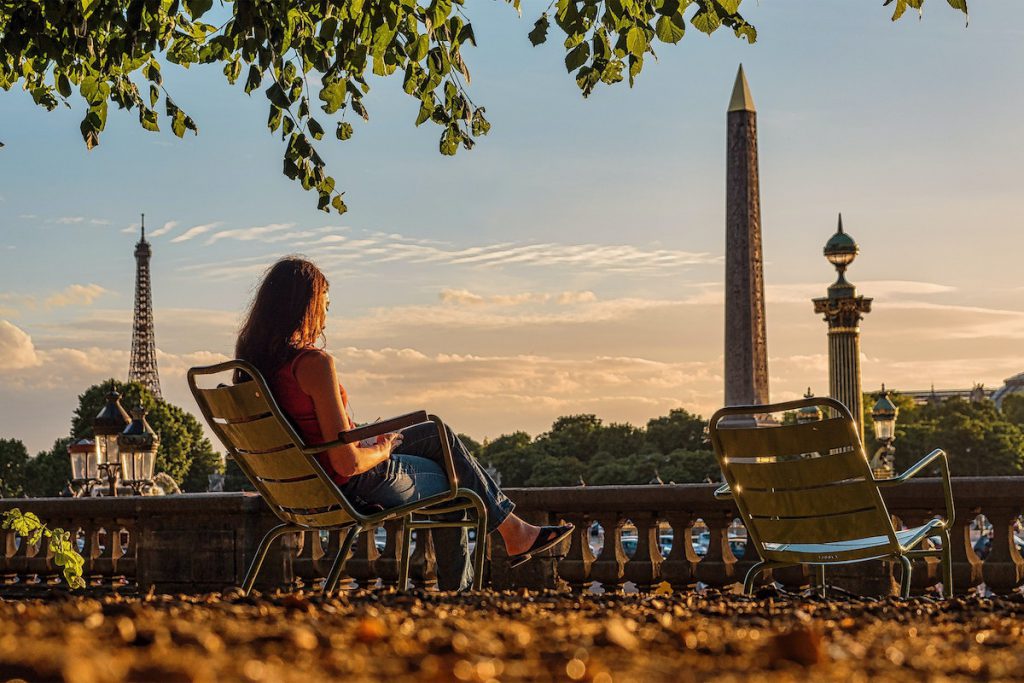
884, 416
106, 427
84, 466
137, 446
808, 413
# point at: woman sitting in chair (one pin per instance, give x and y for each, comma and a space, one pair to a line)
287, 317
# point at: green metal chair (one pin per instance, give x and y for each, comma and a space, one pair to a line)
287, 474
807, 495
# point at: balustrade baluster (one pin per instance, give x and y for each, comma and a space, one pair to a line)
391, 557
1003, 568
362, 566
967, 566
680, 567
423, 561
575, 566
718, 568
609, 567
644, 568
7, 562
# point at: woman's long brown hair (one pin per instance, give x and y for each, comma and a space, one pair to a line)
286, 315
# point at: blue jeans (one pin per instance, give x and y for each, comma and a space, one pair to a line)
417, 473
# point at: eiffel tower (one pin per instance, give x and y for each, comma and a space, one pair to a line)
143, 366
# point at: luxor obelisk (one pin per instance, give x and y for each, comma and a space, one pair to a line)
746, 347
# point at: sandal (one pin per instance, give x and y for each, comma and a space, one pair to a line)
548, 537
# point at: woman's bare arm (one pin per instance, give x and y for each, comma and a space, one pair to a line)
318, 378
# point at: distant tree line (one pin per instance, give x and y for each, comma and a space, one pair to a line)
979, 438
581, 448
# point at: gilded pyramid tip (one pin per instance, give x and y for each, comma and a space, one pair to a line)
741, 99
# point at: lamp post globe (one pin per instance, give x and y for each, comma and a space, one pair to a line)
137, 446
106, 427
883, 415
84, 455
808, 413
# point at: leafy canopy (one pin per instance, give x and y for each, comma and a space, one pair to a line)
307, 54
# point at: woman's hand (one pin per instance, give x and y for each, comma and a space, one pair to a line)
391, 441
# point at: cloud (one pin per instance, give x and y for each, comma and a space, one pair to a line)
75, 220
195, 231
164, 229
249, 234
337, 251
132, 229
75, 295
465, 297
16, 349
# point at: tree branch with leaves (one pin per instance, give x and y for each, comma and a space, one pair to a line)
111, 51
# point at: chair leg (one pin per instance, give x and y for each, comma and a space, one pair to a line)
819, 572
261, 554
748, 580
947, 565
480, 551
403, 571
351, 534
905, 578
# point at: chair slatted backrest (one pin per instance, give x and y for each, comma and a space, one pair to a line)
803, 483
268, 449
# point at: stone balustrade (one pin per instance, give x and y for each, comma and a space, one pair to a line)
203, 542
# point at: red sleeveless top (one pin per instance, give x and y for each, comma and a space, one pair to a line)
298, 405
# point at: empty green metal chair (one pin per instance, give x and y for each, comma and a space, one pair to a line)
287, 474
807, 495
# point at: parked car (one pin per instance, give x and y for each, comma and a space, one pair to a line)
983, 546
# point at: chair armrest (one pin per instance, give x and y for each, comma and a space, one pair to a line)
723, 492
913, 470
374, 429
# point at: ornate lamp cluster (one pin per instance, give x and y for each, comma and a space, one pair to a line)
123, 449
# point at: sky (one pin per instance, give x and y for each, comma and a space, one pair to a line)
573, 261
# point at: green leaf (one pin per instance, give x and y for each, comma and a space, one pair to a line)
344, 131
420, 48
148, 119
438, 12
636, 41
255, 78
333, 96
63, 85
198, 8
232, 70
339, 204
671, 29
315, 129
87, 7
707, 21
539, 34
577, 57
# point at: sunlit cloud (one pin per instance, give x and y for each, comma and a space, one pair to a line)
75, 295
249, 234
340, 251
195, 231
466, 297
77, 220
164, 229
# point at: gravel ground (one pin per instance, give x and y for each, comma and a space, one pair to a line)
365, 636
